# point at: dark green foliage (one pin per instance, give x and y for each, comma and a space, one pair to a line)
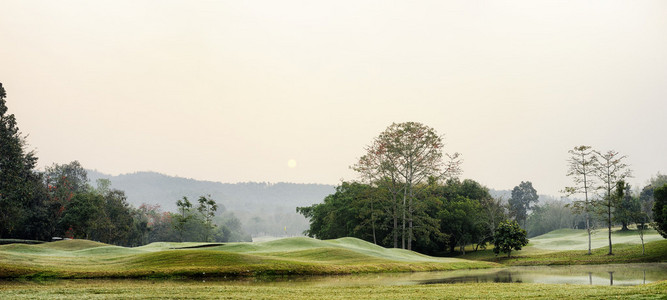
22, 207
646, 196
626, 206
509, 236
522, 196
461, 219
445, 216
660, 210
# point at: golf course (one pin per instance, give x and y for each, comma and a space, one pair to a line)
303, 267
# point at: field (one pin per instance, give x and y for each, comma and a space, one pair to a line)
291, 256
563, 247
195, 270
143, 289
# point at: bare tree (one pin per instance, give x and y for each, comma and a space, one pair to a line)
611, 171
582, 165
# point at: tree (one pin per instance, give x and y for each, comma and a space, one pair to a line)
63, 181
660, 210
405, 155
19, 183
83, 215
522, 197
461, 221
582, 165
184, 205
548, 216
610, 170
646, 195
509, 236
626, 206
207, 208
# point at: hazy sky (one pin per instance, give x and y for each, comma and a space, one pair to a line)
233, 90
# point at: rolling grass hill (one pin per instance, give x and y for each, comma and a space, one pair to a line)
570, 246
290, 256
577, 239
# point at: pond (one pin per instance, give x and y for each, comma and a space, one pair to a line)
612, 274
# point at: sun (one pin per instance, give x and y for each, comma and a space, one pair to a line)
291, 163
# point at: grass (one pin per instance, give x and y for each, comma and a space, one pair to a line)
550, 249
31, 268
169, 289
291, 256
577, 239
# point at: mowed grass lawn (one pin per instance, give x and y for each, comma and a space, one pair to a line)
291, 256
553, 249
168, 289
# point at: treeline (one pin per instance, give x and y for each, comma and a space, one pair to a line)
410, 197
447, 216
61, 203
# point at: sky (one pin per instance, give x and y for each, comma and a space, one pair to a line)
293, 91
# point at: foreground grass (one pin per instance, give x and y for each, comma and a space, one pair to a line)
292, 256
623, 253
147, 289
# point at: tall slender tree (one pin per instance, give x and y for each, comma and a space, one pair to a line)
184, 205
610, 170
582, 165
207, 208
404, 156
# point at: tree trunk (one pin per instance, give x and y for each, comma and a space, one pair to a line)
588, 229
395, 215
410, 232
403, 225
373, 223
609, 224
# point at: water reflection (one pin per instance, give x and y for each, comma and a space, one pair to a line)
618, 274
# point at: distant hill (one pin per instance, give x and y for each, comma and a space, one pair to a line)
263, 208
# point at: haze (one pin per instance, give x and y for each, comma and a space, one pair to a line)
293, 91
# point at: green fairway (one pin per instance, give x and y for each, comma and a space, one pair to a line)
291, 256
577, 239
169, 289
563, 247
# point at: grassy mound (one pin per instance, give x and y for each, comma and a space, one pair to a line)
291, 256
577, 239
656, 251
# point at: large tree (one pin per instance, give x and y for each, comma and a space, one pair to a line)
660, 210
522, 196
64, 182
581, 168
21, 202
403, 157
610, 170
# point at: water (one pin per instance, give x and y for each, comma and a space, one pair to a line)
611, 275
619, 275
